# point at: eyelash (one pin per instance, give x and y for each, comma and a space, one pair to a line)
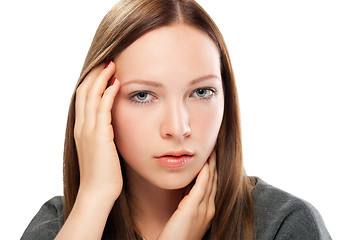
137, 101
210, 93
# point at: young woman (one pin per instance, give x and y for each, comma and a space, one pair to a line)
153, 146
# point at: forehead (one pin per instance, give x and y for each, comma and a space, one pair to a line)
175, 51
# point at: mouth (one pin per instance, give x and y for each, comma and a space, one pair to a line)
175, 159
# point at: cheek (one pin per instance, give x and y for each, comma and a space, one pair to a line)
137, 133
206, 121
132, 130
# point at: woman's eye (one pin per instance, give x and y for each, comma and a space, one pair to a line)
142, 97
204, 93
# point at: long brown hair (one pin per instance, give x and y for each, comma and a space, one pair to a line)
124, 23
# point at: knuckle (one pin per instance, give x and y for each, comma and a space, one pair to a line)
102, 119
98, 130
80, 90
77, 131
76, 134
85, 134
202, 211
193, 214
211, 212
92, 93
102, 107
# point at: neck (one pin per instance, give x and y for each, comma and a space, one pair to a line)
151, 207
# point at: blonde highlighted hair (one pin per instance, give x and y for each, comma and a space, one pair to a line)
123, 24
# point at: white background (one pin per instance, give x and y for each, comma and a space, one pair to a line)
297, 65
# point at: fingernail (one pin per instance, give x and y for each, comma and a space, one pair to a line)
113, 81
107, 65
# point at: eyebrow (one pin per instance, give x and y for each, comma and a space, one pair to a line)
144, 82
203, 78
159, 85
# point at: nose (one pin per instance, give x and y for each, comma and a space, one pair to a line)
175, 121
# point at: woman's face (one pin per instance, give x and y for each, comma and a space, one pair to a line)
168, 112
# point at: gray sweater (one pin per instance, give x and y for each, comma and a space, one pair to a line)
278, 215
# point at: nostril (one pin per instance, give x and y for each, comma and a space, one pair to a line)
175, 122
187, 132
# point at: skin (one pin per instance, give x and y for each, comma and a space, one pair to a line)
173, 115
176, 60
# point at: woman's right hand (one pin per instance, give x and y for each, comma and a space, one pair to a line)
100, 171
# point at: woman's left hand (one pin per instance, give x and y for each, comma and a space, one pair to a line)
193, 216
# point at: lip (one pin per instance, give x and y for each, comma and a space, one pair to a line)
175, 159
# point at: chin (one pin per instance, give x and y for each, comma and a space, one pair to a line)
175, 182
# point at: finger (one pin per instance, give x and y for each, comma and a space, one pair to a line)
106, 104
212, 167
99, 85
81, 93
95, 93
91, 77
213, 190
198, 191
214, 183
